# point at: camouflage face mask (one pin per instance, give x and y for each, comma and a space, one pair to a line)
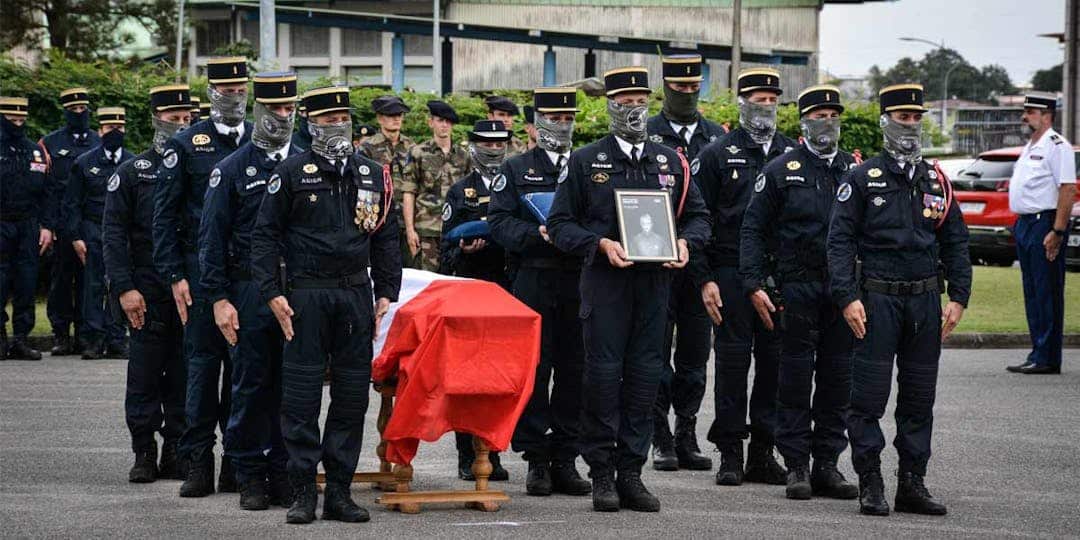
902, 141
227, 109
331, 141
272, 131
758, 120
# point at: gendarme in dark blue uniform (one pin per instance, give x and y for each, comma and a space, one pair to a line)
787, 221
156, 374
189, 158
727, 169
236, 189
64, 305
901, 226
681, 127
623, 310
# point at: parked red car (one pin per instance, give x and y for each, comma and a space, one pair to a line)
982, 191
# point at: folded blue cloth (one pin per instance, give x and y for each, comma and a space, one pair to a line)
539, 203
469, 231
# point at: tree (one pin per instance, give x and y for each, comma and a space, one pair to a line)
965, 80
1048, 80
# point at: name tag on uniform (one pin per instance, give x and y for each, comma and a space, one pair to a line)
1035, 158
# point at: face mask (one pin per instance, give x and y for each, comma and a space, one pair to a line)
1026, 130
331, 141
554, 136
10, 129
163, 131
487, 161
757, 119
77, 122
271, 131
627, 121
680, 106
822, 135
227, 109
902, 142
113, 140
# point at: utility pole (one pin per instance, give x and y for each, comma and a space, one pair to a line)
436, 49
736, 45
1070, 122
179, 40
267, 34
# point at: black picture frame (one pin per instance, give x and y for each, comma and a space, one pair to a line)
646, 225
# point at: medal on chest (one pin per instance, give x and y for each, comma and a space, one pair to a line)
933, 206
367, 210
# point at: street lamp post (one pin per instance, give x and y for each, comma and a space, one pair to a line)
945, 97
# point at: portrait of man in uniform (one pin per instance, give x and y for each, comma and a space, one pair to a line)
646, 224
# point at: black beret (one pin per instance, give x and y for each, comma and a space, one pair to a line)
15, 106
500, 103
555, 100
328, 99
901, 97
443, 110
170, 97
75, 96
529, 113
759, 79
627, 79
682, 68
821, 96
1040, 101
389, 105
490, 131
227, 70
278, 87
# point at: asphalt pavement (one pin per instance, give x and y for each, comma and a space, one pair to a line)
1006, 462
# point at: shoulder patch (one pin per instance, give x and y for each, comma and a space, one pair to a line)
499, 184
200, 139
794, 165
759, 185
274, 185
114, 182
170, 158
844, 192
142, 164
310, 168
695, 166
874, 173
215, 178
447, 212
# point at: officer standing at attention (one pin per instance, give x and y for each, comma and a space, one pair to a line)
1041, 192
84, 209
156, 374
894, 213
787, 221
237, 184
502, 109
431, 168
681, 127
467, 200
390, 147
326, 213
546, 280
727, 169
196, 111
26, 231
189, 158
301, 140
64, 304
623, 304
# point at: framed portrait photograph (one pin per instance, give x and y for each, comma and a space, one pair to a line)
646, 225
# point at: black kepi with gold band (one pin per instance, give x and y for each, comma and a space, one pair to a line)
276, 87
626, 79
274, 93
196, 110
170, 97
14, 106
821, 96
549, 100
323, 100
1039, 100
759, 79
74, 96
227, 70
682, 68
111, 115
902, 97
332, 141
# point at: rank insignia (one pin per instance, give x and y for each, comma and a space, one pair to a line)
874, 173
600, 177
735, 174
200, 139
794, 165
310, 168
313, 198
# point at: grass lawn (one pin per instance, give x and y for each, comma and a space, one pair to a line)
997, 304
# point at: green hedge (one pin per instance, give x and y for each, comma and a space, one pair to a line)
113, 85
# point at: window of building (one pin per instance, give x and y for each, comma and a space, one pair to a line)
360, 42
250, 33
309, 40
417, 45
210, 35
419, 78
310, 74
364, 75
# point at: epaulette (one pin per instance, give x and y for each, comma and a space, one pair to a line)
1056, 138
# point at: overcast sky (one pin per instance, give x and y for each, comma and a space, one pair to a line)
855, 37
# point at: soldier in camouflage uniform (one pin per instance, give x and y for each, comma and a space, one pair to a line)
502, 109
389, 146
432, 167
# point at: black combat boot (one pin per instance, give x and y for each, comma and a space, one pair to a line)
339, 506
199, 481
145, 469
538, 480
566, 480
62, 345
798, 483
913, 497
633, 495
168, 467
686, 447
93, 350
118, 351
253, 495
498, 473
227, 477
604, 496
872, 494
730, 472
280, 490
303, 507
664, 458
19, 350
762, 467
827, 481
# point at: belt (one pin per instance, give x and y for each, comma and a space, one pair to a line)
8, 217
805, 275
903, 288
351, 280
551, 263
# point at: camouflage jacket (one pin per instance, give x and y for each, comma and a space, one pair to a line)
429, 173
378, 148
